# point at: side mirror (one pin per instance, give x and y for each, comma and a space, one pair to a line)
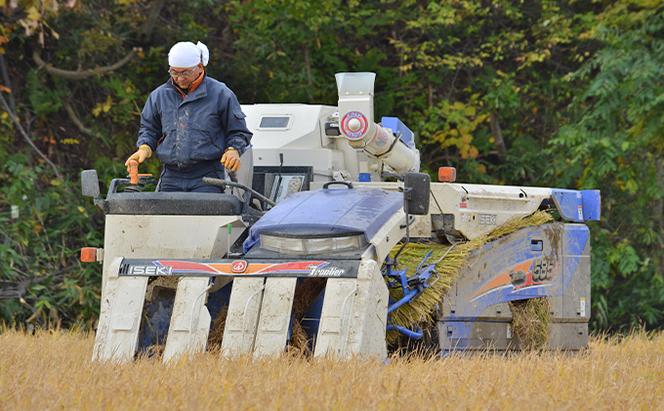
90, 183
417, 193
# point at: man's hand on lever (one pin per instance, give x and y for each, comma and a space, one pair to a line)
143, 153
231, 159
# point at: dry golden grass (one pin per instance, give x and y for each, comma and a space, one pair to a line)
53, 371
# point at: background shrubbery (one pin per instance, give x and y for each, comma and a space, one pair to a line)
567, 94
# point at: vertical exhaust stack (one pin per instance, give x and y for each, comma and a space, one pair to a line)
357, 124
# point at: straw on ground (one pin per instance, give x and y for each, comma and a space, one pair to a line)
53, 371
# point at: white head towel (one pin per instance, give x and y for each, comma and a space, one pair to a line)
188, 54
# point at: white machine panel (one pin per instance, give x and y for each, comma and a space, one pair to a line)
242, 318
167, 236
119, 317
297, 132
275, 316
190, 321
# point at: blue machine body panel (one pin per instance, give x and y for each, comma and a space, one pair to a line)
525, 257
592, 203
577, 206
329, 211
546, 261
399, 129
569, 203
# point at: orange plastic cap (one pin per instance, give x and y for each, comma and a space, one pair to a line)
446, 174
88, 255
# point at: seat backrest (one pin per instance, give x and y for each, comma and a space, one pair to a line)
171, 203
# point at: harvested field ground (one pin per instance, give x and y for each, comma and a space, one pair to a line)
53, 371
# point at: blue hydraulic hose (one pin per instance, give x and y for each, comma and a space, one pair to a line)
415, 335
405, 299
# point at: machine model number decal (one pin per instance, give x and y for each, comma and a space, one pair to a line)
149, 270
487, 219
327, 271
540, 271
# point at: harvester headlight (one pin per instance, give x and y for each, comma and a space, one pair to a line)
347, 242
311, 245
281, 244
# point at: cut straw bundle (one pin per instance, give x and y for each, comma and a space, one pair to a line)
530, 322
449, 262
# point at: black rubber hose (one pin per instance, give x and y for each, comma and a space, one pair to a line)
223, 184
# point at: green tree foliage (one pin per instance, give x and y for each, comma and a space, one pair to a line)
545, 93
615, 141
42, 278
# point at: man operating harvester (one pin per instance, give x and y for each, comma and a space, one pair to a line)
193, 122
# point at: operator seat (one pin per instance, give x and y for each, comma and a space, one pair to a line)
171, 203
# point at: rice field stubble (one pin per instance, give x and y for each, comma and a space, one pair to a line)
52, 370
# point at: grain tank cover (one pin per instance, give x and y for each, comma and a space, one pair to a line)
329, 212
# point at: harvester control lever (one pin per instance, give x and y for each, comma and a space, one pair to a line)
133, 172
136, 180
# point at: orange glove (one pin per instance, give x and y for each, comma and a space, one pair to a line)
231, 159
143, 153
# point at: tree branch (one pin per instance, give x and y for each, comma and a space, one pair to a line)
10, 290
151, 21
17, 289
7, 80
83, 74
498, 136
307, 68
27, 138
77, 121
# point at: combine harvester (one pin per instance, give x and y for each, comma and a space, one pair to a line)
321, 269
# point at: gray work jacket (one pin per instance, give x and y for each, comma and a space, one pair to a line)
195, 129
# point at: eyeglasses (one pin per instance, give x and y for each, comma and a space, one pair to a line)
181, 73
